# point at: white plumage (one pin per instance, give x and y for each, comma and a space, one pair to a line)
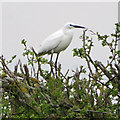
58, 41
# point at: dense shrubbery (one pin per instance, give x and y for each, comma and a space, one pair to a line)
32, 92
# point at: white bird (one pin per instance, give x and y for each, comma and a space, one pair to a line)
58, 41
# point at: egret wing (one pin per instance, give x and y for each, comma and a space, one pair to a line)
50, 43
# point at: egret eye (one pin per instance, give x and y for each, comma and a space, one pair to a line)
71, 25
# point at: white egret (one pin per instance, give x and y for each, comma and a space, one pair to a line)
58, 41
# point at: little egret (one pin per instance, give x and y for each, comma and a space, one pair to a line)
58, 41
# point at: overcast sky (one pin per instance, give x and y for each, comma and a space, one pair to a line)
35, 21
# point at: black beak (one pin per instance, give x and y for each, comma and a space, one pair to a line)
77, 26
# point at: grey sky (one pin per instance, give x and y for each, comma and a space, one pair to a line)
35, 21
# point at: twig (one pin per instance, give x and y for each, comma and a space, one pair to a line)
85, 52
90, 111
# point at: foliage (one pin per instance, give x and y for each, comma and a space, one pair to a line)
32, 92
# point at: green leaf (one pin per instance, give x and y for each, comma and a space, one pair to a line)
104, 43
80, 51
75, 52
118, 52
110, 57
23, 41
14, 57
89, 47
87, 37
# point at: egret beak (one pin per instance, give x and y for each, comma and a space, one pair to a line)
77, 26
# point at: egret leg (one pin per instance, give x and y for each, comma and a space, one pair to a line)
51, 64
56, 64
51, 58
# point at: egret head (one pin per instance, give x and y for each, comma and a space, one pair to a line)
72, 26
